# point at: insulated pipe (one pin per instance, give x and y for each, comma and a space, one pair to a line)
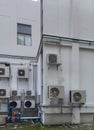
29, 118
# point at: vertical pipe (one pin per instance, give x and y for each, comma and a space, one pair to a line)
35, 79
41, 22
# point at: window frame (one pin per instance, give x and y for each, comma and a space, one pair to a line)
20, 33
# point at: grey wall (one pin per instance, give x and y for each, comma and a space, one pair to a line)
19, 11
70, 18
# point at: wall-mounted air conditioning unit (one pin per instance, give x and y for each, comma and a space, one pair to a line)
28, 93
5, 93
4, 71
53, 59
29, 104
15, 103
78, 96
56, 92
22, 73
14, 93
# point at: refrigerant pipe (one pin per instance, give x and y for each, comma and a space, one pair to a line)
29, 118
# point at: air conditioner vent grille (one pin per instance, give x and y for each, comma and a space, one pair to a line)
13, 104
2, 71
54, 92
28, 104
28, 93
52, 58
14, 93
2, 92
21, 72
77, 96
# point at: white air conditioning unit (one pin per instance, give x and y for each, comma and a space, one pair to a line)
14, 93
5, 93
78, 96
22, 73
56, 92
29, 104
28, 93
15, 103
53, 59
4, 71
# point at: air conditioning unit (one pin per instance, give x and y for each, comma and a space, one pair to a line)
14, 93
53, 59
78, 96
22, 73
28, 93
4, 71
15, 103
56, 92
4, 93
29, 104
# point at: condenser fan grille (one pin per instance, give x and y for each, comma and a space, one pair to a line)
28, 104
14, 93
2, 71
53, 58
21, 72
2, 92
13, 104
77, 96
28, 93
54, 92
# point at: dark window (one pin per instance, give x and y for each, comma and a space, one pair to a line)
24, 34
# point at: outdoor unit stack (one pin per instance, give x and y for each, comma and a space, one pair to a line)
29, 102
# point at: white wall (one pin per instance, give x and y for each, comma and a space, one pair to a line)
69, 18
87, 73
76, 71
57, 76
19, 11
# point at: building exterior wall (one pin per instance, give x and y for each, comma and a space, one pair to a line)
13, 12
74, 73
69, 18
19, 11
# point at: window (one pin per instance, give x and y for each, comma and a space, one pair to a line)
24, 34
